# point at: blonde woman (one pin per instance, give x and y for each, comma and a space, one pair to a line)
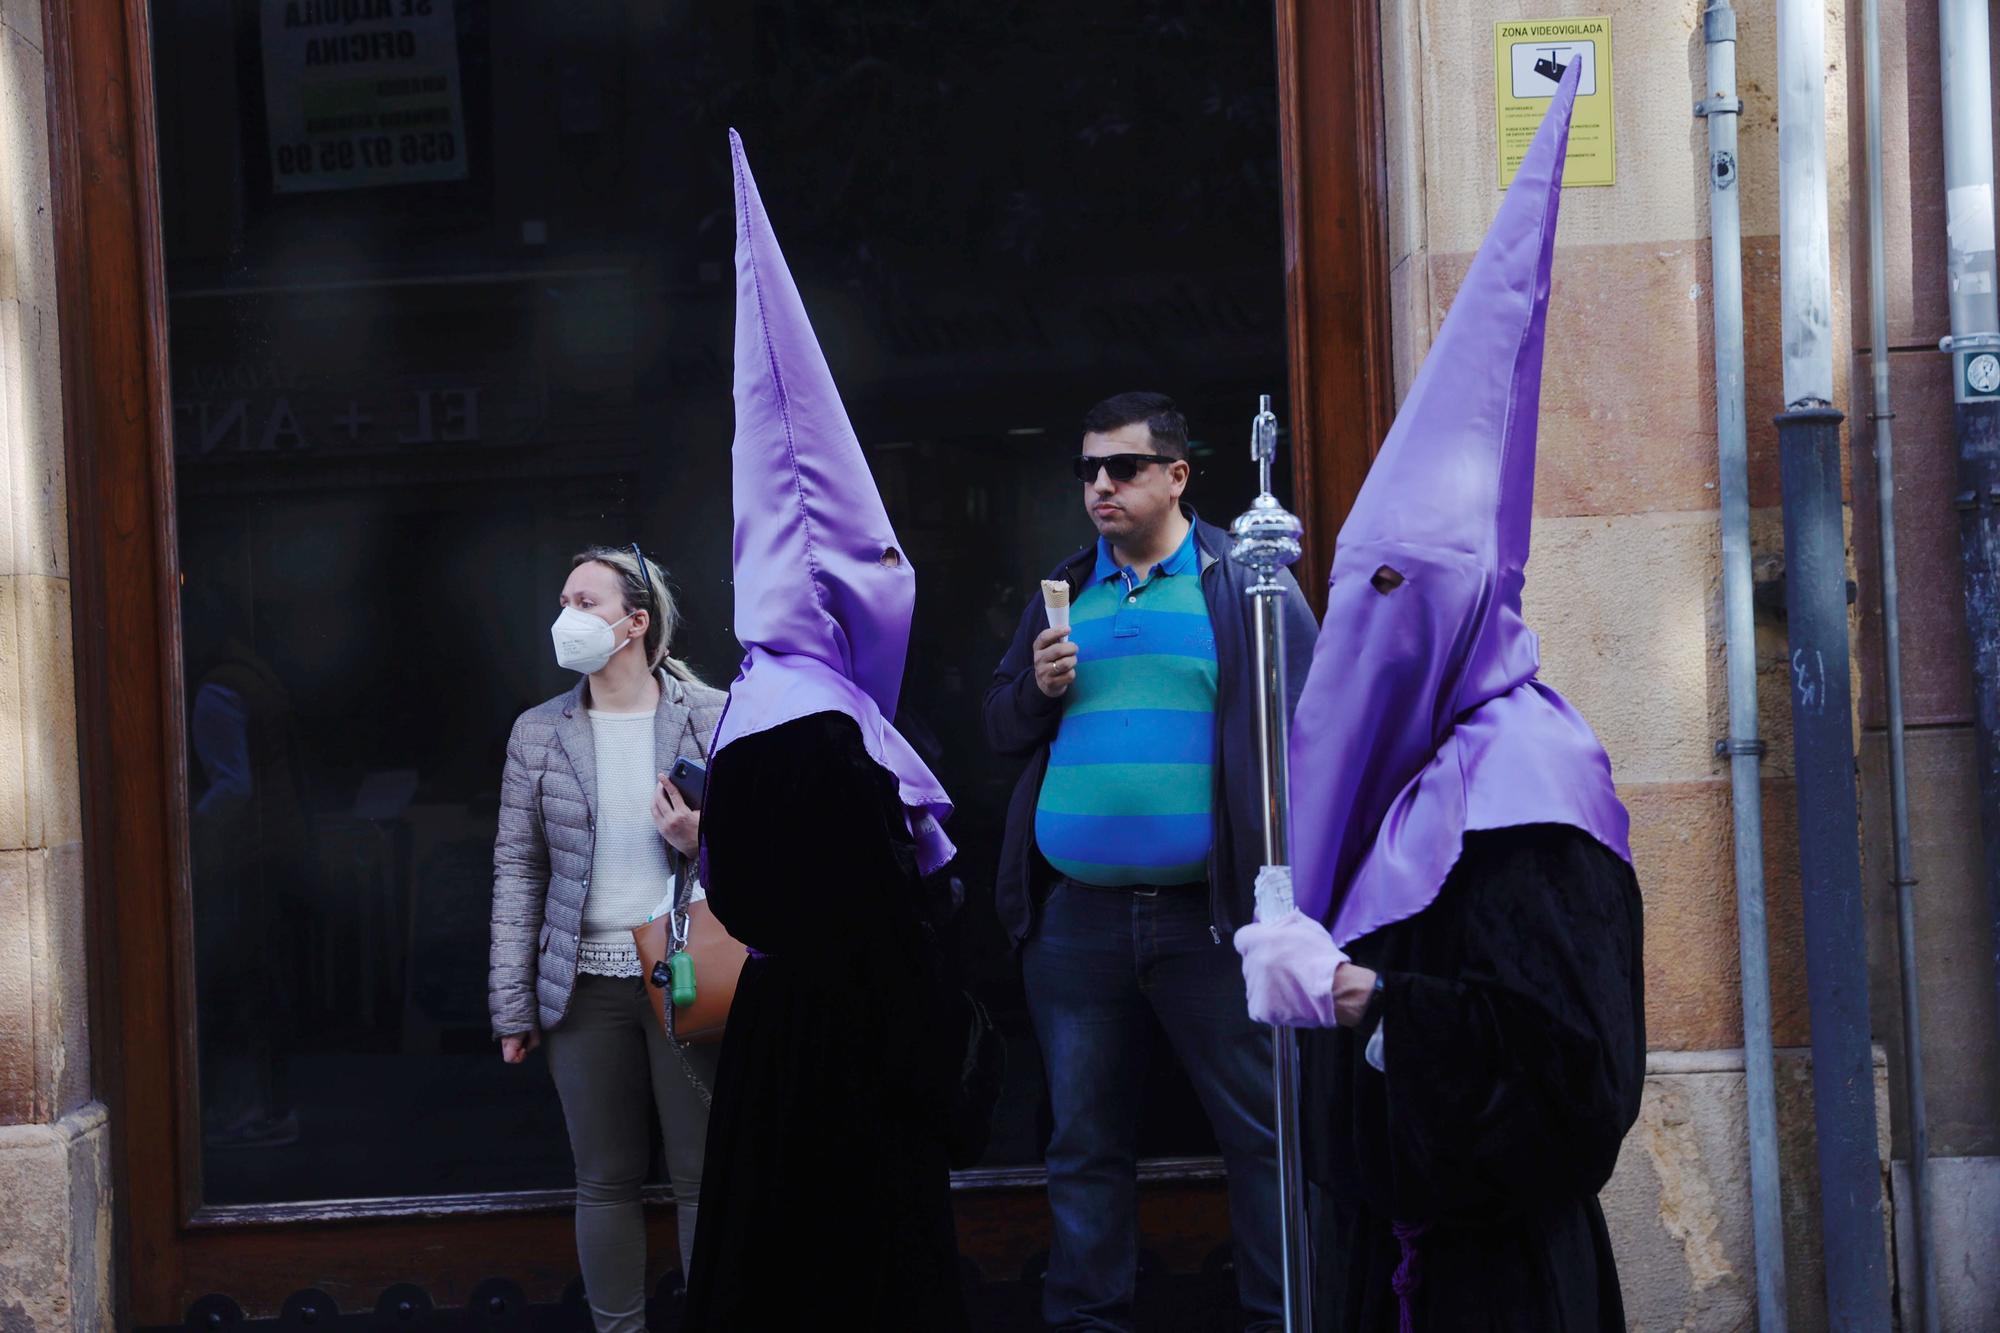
592, 837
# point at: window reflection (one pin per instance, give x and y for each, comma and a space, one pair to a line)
406, 392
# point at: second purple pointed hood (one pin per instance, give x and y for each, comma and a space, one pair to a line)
1422, 717
824, 592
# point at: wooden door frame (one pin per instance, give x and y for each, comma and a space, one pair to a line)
112, 314
119, 441
1336, 202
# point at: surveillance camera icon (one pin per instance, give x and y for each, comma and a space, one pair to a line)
1547, 67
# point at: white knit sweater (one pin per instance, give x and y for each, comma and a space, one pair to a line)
629, 869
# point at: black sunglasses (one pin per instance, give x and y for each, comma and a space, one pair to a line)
1121, 467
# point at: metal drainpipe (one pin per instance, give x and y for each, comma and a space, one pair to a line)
1836, 922
1883, 413
1975, 347
1742, 747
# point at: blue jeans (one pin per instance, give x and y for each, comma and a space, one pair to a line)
1098, 962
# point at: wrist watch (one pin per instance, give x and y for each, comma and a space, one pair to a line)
1371, 1014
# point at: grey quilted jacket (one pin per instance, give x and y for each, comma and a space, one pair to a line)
543, 852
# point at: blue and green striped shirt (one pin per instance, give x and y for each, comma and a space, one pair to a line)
1127, 797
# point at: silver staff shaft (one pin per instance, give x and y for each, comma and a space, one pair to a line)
1267, 539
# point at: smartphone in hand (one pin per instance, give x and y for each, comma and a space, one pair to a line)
690, 779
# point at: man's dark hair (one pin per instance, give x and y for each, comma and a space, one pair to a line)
1163, 420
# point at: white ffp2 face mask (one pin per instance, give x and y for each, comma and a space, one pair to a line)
585, 642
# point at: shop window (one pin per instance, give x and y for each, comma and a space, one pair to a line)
433, 333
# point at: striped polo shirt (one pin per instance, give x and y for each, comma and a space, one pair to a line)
1131, 772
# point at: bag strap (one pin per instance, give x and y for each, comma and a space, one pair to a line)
687, 1065
677, 937
677, 941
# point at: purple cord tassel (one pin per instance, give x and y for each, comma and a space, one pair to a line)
1406, 1279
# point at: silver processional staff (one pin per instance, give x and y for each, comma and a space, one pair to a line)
1266, 538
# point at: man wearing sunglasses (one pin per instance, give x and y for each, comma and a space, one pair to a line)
1131, 847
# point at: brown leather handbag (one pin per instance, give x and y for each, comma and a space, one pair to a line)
716, 958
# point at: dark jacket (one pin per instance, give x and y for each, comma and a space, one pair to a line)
1022, 721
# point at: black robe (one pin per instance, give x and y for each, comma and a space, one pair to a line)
1514, 1046
825, 1199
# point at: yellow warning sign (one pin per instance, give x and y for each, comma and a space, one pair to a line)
1529, 59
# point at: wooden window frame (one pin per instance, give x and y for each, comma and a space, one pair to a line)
125, 580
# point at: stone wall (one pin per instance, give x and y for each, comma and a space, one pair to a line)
1955, 945
1625, 583
1679, 1203
55, 1186
1625, 588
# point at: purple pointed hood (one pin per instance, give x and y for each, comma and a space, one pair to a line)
824, 591
1421, 717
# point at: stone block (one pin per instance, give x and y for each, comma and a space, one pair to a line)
1628, 404
1763, 361
25, 18
1660, 68
67, 951
1964, 1218
17, 990
1628, 387
48, 694
1680, 1224
1630, 615
1409, 320
34, 532
1621, 605
44, 977
1633, 631
1679, 1207
1772, 648
1636, 401
55, 1192
1658, 194
11, 485
1403, 130
1784, 910
1955, 944
13, 720
1680, 854
60, 980
27, 233
1683, 851
1937, 658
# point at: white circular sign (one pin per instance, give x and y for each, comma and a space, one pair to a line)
1982, 372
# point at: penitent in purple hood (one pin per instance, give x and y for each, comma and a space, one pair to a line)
824, 591
1421, 717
